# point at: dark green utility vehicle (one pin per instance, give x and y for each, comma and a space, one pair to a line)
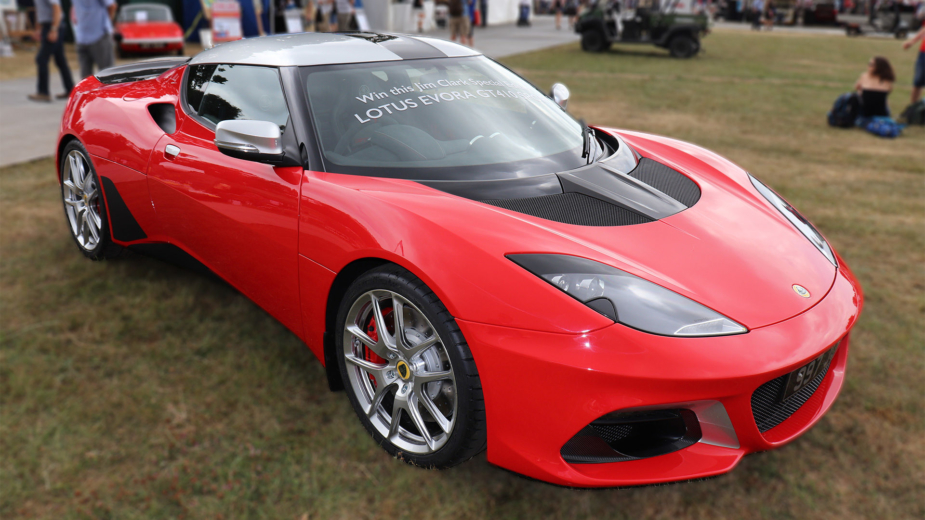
670, 24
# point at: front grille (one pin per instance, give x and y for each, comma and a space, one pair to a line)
767, 408
573, 208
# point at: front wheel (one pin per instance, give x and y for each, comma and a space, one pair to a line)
593, 40
408, 371
683, 46
84, 204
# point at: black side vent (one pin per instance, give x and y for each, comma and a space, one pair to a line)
668, 181
164, 115
573, 208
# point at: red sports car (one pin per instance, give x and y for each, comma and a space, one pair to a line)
147, 29
476, 268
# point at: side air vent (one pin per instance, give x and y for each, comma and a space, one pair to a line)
165, 115
666, 180
573, 208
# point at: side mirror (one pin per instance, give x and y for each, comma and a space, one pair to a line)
560, 94
259, 141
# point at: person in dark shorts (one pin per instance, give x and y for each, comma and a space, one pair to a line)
459, 22
918, 80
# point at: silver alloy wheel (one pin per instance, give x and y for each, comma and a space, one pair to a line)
82, 201
400, 372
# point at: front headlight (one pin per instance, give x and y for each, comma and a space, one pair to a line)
791, 214
627, 299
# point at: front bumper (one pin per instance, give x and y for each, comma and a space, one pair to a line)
542, 388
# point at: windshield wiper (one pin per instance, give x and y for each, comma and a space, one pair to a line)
585, 144
587, 134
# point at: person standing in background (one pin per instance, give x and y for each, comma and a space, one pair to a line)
344, 14
918, 79
309, 13
93, 32
459, 21
258, 15
418, 10
48, 16
471, 9
323, 15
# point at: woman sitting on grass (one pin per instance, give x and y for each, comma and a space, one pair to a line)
873, 88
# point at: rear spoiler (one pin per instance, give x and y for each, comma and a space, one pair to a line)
138, 71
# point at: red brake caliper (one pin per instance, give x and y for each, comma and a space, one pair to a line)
373, 334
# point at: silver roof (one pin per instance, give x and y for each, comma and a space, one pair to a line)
285, 50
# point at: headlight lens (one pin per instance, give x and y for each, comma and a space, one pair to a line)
796, 219
628, 299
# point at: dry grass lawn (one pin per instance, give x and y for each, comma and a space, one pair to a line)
133, 389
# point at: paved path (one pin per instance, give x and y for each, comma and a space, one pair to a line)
29, 130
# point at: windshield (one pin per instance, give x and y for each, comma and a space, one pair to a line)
439, 119
147, 13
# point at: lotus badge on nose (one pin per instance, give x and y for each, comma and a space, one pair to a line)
800, 290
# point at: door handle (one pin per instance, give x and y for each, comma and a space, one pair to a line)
171, 151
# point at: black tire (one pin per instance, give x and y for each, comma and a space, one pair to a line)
468, 437
594, 40
682, 46
120, 53
104, 248
180, 52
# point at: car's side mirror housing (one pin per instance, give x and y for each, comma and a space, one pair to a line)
259, 141
560, 94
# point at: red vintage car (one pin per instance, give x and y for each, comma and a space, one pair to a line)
597, 307
147, 29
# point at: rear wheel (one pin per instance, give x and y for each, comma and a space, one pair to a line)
180, 52
683, 46
84, 205
408, 371
593, 40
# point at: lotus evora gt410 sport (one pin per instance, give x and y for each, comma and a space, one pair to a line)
473, 266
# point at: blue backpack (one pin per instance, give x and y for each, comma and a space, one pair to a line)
884, 127
845, 111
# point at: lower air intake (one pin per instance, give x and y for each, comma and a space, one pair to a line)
619, 437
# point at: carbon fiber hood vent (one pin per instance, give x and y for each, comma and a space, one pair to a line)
600, 195
620, 190
573, 208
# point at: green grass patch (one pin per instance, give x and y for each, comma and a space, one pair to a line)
133, 389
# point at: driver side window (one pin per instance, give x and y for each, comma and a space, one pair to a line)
221, 92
